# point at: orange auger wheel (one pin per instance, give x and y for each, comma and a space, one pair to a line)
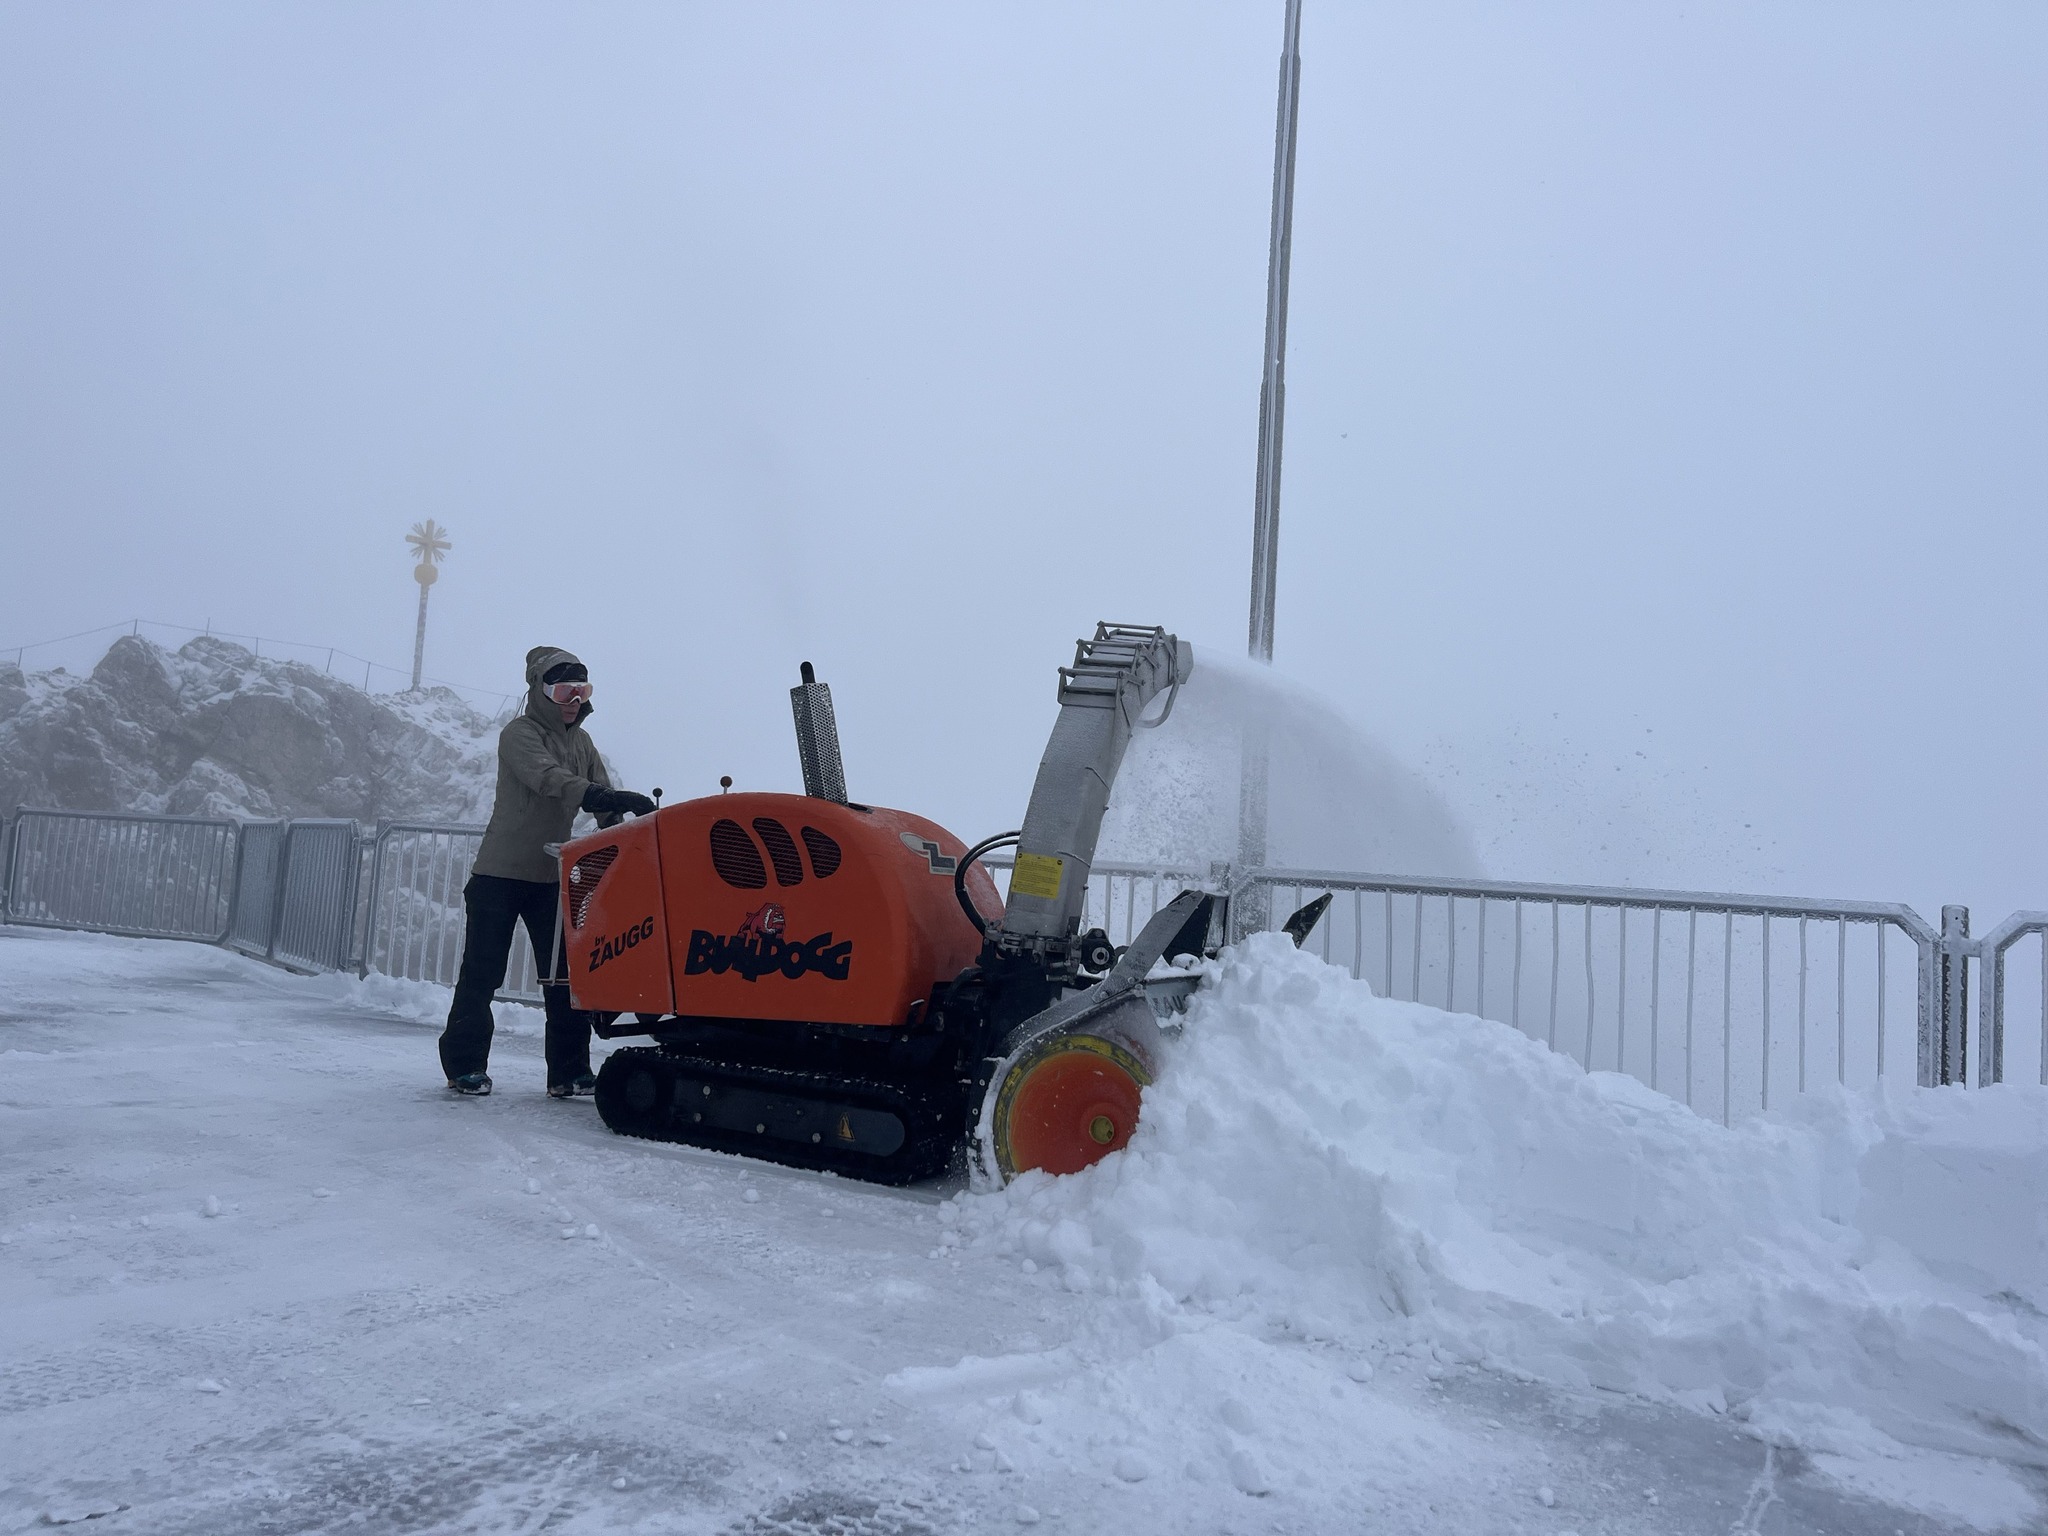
1062, 1102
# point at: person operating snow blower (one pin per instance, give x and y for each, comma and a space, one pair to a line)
548, 770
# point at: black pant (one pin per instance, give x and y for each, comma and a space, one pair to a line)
491, 904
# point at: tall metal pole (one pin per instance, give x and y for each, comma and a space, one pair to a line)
1273, 382
425, 574
430, 542
1252, 791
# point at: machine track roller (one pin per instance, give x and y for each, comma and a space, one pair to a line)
885, 1132
633, 1092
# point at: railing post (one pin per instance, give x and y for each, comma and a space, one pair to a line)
284, 871
1950, 1046
7, 840
378, 834
235, 885
1223, 880
1247, 904
357, 845
1251, 904
1991, 1010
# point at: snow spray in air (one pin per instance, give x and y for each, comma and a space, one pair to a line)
1338, 800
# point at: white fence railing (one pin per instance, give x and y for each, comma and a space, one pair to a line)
1725, 1002
153, 877
319, 871
414, 919
259, 858
1996, 989
1122, 896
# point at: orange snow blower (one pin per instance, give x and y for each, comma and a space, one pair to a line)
839, 986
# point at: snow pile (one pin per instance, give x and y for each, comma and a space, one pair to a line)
240, 1244
1374, 1176
421, 1002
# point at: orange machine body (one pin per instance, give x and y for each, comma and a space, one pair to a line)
765, 906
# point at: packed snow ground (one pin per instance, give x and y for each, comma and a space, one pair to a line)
1366, 1267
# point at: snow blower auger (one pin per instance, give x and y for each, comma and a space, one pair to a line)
839, 986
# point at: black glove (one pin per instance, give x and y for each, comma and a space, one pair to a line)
600, 801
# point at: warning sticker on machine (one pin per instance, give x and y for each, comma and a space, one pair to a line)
1037, 874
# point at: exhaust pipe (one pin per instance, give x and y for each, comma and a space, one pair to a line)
817, 739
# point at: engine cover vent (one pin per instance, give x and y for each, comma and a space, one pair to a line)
735, 857
789, 866
825, 853
583, 877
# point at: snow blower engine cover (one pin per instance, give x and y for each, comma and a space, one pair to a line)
766, 906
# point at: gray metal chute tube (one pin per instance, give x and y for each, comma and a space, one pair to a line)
1103, 697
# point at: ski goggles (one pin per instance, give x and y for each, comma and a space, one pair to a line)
568, 693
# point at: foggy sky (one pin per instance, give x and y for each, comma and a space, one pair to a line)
1668, 390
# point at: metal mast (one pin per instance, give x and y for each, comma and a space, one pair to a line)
430, 542
1251, 807
1273, 383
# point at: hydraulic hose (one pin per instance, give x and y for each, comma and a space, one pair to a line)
960, 876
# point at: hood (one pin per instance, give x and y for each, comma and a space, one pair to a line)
539, 661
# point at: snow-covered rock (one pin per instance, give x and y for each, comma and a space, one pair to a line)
212, 729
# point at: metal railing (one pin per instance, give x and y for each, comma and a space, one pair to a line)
259, 859
1725, 1002
1121, 897
155, 877
1722, 1001
1992, 995
315, 925
289, 892
414, 919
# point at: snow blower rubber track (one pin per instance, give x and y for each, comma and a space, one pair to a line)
884, 1132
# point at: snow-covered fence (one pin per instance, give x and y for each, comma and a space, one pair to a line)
258, 860
1995, 991
1726, 1002
157, 877
283, 891
1721, 1000
1121, 896
296, 893
316, 901
415, 911
290, 892
414, 919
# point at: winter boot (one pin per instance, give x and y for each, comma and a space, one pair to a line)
476, 1084
576, 1088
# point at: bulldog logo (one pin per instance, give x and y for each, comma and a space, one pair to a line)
766, 923
760, 948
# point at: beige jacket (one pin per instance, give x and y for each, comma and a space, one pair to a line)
544, 767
